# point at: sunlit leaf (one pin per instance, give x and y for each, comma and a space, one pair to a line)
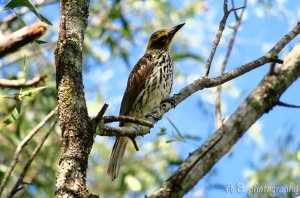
30, 92
188, 55
19, 3
40, 41
133, 183
15, 114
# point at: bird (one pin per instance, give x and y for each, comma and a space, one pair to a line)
149, 83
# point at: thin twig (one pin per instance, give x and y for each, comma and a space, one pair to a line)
124, 131
19, 181
235, 12
108, 119
272, 68
218, 36
237, 24
283, 104
22, 83
21, 37
21, 146
95, 121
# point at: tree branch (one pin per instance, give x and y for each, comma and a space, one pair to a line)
95, 121
236, 26
19, 181
218, 36
108, 119
202, 83
123, 131
283, 104
21, 37
21, 146
22, 83
77, 130
263, 98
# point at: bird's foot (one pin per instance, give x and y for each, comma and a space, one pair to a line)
152, 115
171, 101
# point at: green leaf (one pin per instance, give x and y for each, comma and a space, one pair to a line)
188, 55
30, 92
27, 3
170, 141
42, 18
15, 114
181, 137
162, 132
40, 42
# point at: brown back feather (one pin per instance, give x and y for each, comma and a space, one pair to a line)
136, 82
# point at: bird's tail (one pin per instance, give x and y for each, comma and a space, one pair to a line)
116, 157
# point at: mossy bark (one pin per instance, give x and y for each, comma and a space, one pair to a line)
77, 136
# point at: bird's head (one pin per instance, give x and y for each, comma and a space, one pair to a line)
162, 39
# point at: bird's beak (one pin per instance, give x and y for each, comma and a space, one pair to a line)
175, 29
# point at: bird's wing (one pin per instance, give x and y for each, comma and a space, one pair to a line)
136, 82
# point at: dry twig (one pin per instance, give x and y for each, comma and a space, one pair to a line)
283, 104
21, 37
108, 119
218, 36
22, 83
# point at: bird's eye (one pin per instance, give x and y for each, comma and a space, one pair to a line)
163, 38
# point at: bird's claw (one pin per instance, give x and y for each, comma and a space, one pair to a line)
171, 101
152, 115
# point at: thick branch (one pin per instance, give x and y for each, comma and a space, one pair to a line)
261, 100
21, 37
77, 130
21, 146
22, 83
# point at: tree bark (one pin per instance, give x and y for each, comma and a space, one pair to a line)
77, 136
262, 99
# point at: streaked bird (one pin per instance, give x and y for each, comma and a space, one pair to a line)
149, 83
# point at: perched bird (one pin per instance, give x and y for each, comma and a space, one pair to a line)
149, 84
